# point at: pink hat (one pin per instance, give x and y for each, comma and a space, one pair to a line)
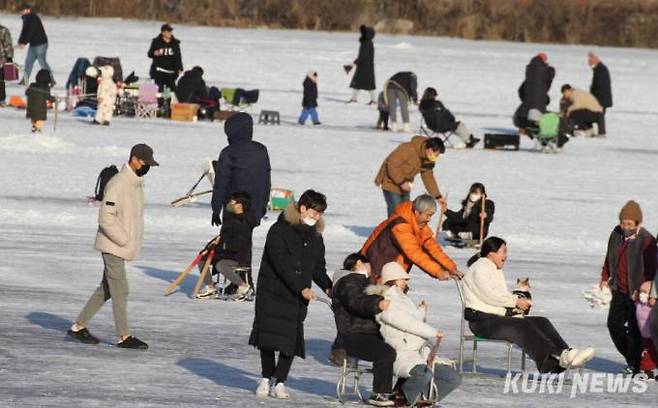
542, 56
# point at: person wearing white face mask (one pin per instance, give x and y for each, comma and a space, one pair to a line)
293, 259
630, 262
465, 223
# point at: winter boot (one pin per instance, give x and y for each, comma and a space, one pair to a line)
583, 357
279, 391
567, 357
472, 141
263, 389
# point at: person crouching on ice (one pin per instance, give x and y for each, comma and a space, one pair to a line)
38, 95
107, 95
404, 328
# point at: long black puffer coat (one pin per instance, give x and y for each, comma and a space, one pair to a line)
310, 99
243, 165
600, 87
292, 260
534, 89
191, 86
364, 76
354, 311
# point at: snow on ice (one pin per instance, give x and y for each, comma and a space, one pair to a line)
556, 212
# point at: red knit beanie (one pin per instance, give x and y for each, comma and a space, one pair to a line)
542, 56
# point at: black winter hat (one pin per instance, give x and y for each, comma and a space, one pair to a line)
166, 27
25, 6
43, 77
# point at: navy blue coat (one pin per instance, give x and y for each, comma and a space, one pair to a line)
243, 165
310, 99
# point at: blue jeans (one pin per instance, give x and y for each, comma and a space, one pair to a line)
37, 53
393, 199
305, 113
446, 378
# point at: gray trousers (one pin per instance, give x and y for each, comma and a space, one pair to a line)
227, 268
462, 132
114, 285
445, 377
394, 96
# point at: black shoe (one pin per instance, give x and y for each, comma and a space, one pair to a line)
83, 336
95, 122
380, 400
3, 104
106, 123
132, 342
317, 123
472, 141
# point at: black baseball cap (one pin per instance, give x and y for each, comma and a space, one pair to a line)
166, 27
144, 152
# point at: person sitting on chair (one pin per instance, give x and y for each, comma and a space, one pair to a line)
233, 250
355, 312
466, 222
487, 300
439, 119
404, 328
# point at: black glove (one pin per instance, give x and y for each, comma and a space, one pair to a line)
216, 219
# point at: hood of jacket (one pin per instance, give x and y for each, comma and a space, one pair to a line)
293, 217
43, 78
106, 72
367, 33
239, 128
536, 61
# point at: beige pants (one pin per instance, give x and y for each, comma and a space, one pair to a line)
114, 285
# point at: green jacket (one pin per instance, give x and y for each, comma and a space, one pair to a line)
37, 102
6, 47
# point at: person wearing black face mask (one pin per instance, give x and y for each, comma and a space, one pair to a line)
629, 262
119, 238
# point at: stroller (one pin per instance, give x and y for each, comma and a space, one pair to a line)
547, 133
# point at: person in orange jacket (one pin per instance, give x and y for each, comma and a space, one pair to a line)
406, 238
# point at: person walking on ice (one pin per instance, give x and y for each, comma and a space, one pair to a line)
119, 239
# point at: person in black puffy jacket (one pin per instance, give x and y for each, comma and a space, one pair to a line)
310, 99
354, 312
439, 118
465, 223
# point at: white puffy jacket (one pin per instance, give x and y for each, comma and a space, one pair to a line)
485, 288
403, 327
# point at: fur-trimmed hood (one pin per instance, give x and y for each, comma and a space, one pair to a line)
293, 217
377, 289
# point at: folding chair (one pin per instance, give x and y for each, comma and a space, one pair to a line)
147, 101
463, 338
444, 136
349, 368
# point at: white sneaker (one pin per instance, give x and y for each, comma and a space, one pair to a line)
393, 126
567, 357
242, 293
465, 235
279, 391
407, 127
583, 357
263, 389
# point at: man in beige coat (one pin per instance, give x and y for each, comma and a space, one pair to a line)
583, 110
119, 239
397, 172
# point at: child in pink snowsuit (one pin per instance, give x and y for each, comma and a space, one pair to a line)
649, 361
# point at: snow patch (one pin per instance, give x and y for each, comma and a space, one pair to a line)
35, 144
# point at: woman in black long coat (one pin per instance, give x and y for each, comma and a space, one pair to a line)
364, 76
292, 260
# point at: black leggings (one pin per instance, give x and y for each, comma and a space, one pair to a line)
536, 335
271, 369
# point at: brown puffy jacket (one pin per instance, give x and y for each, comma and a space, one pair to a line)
403, 164
400, 239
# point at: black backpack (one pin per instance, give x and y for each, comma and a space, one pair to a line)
105, 176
